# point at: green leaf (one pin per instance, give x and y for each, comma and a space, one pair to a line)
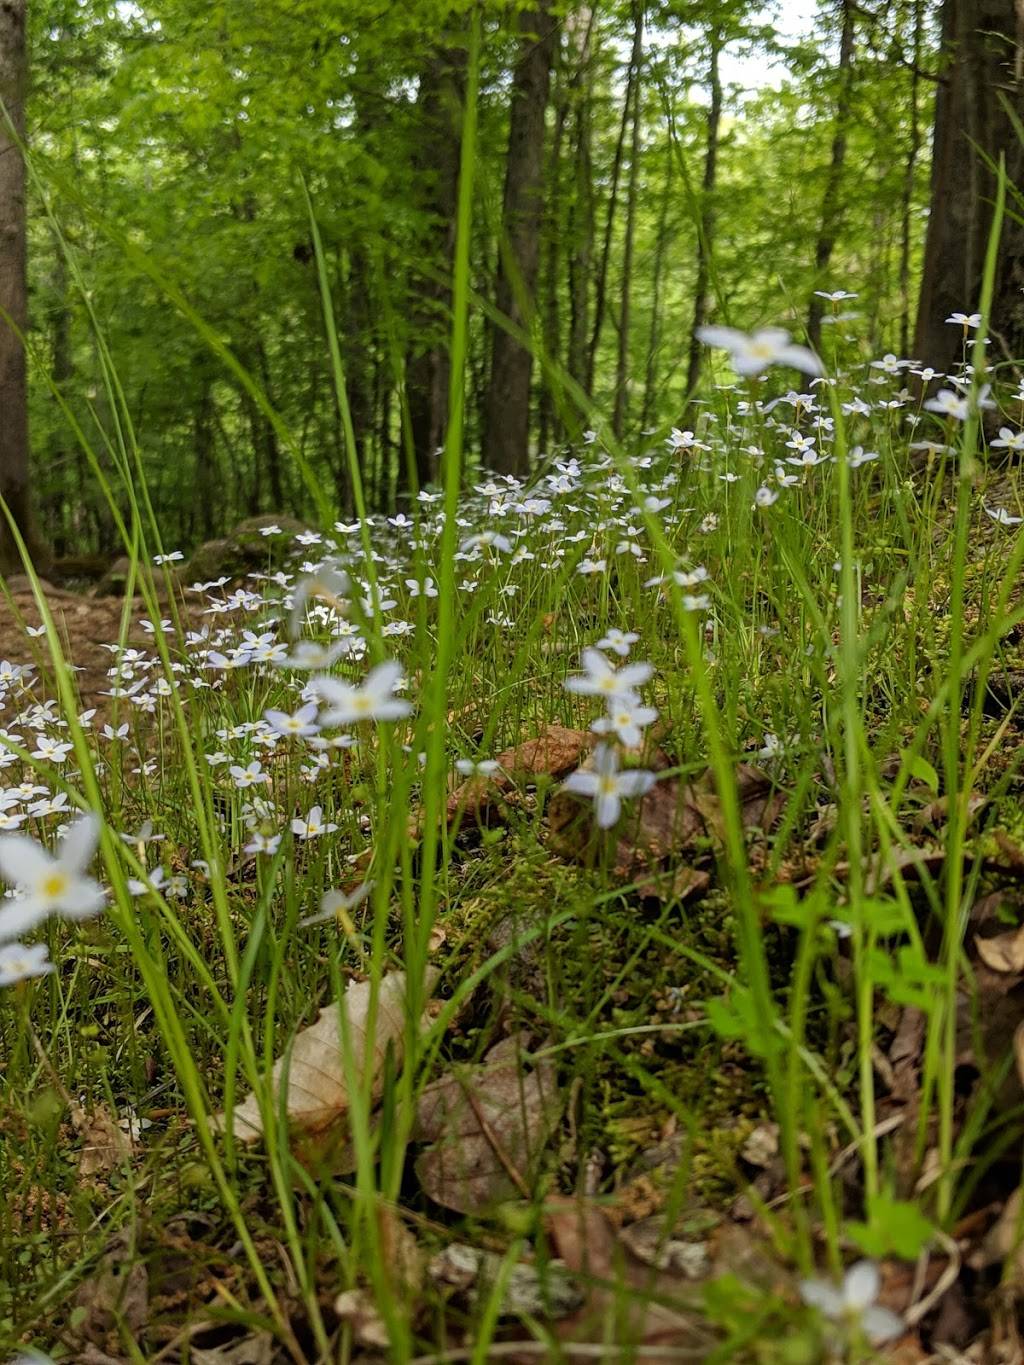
924, 772
896, 1228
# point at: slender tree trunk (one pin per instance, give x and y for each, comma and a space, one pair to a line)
660, 251
549, 279
828, 234
706, 225
601, 286
14, 449
67, 512
427, 367
581, 209
269, 445
507, 415
909, 176
625, 297
357, 347
207, 481
981, 43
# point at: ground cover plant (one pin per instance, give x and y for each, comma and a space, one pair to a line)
570, 967
565, 914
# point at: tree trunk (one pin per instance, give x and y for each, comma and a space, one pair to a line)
14, 453
622, 357
601, 287
550, 395
981, 43
909, 176
507, 414
660, 251
581, 209
831, 210
706, 226
439, 107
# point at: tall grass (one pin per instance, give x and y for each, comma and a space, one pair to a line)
228, 979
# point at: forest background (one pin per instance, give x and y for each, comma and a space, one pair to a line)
643, 167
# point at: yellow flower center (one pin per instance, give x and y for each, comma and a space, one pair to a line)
55, 884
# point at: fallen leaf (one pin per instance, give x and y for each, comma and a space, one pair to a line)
317, 1096
905, 1054
105, 1145
1004, 953
761, 1146
549, 1292
488, 1125
357, 1308
116, 1294
621, 1285
1011, 851
668, 824
651, 1243
936, 812
554, 753
253, 1350
1002, 1240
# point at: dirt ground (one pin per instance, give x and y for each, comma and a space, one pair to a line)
86, 623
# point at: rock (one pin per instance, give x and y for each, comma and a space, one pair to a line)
113, 582
213, 559
21, 583
244, 550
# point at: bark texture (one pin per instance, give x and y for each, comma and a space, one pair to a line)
507, 409
706, 228
626, 284
14, 463
983, 46
439, 106
831, 204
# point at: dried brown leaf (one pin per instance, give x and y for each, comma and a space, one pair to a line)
116, 1294
1004, 953
488, 1125
1011, 851
1003, 1240
317, 1096
554, 753
666, 825
357, 1308
257, 1349
548, 1293
105, 1146
585, 1239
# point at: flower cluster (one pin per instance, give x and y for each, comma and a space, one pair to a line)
625, 719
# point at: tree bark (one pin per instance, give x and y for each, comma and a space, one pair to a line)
622, 357
831, 207
581, 208
601, 286
507, 408
706, 226
550, 398
909, 176
660, 251
14, 450
982, 46
427, 367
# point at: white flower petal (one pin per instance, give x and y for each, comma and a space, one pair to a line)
78, 847
825, 1297
583, 784
22, 860
881, 1324
20, 917
861, 1285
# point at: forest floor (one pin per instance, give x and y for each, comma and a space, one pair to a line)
680, 1051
